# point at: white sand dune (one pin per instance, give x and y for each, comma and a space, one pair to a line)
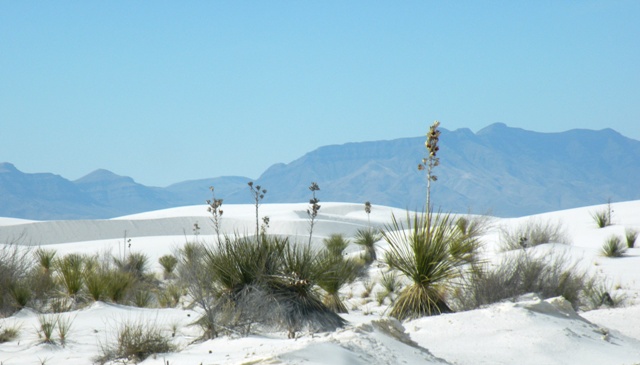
525, 331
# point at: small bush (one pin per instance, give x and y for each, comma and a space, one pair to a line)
16, 263
515, 275
47, 325
168, 263
70, 270
603, 217
599, 293
367, 239
631, 235
532, 233
613, 247
136, 341
8, 333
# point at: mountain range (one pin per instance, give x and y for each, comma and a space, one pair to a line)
499, 170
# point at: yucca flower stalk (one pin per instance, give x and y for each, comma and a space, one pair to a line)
431, 161
421, 250
258, 193
216, 213
314, 207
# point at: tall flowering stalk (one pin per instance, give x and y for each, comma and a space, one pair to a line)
257, 192
431, 161
314, 207
216, 213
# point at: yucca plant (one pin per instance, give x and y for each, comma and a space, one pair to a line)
421, 250
613, 247
296, 300
45, 258
118, 285
136, 263
71, 274
168, 263
630, 236
367, 238
336, 272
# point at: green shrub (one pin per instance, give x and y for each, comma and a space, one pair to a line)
8, 334
47, 325
246, 280
136, 341
16, 263
367, 239
630, 236
532, 233
168, 263
613, 247
421, 251
603, 217
599, 293
45, 258
521, 273
70, 272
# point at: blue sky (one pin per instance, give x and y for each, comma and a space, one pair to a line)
172, 91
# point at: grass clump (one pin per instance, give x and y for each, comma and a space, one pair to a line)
630, 235
532, 233
421, 250
613, 247
520, 273
269, 282
136, 341
602, 217
8, 334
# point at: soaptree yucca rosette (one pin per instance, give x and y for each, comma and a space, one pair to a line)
421, 250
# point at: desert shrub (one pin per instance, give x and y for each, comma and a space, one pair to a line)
532, 233
599, 293
45, 258
421, 250
390, 282
16, 262
21, 293
168, 263
70, 274
169, 296
135, 263
335, 244
367, 239
46, 326
245, 281
118, 285
336, 272
602, 217
521, 273
8, 333
613, 247
135, 341
630, 236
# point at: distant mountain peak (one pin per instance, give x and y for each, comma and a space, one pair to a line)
6, 167
102, 175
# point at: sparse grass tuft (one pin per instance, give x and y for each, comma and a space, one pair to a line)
521, 273
47, 324
613, 247
8, 334
603, 217
631, 235
136, 341
532, 233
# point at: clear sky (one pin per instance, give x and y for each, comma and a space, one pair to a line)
167, 91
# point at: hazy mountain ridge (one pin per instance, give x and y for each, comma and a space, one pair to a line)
500, 170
